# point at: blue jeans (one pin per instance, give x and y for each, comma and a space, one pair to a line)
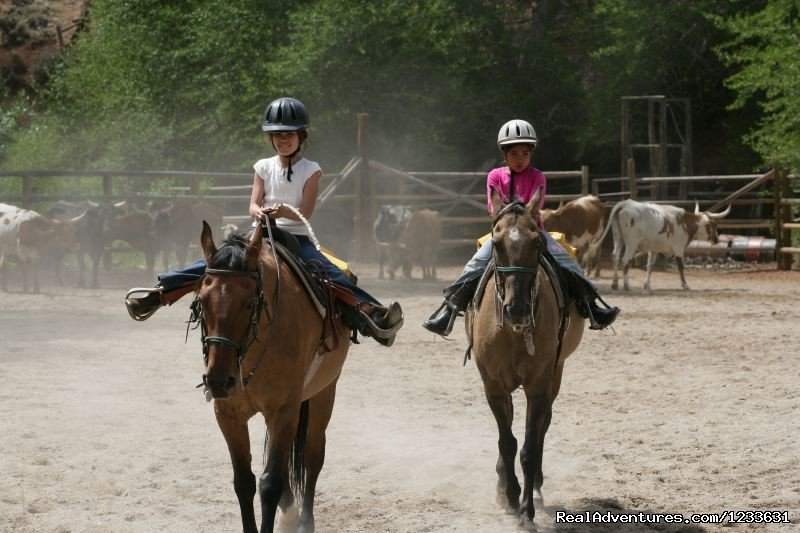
176, 279
475, 266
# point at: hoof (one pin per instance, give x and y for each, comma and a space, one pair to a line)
526, 522
289, 519
538, 499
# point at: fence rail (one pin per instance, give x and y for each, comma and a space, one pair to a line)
360, 188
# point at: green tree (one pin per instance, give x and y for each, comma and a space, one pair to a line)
662, 47
764, 48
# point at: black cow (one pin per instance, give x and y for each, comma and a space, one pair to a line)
93, 230
387, 229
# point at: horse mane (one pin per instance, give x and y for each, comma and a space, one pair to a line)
515, 207
232, 254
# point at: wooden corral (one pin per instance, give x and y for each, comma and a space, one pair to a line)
349, 200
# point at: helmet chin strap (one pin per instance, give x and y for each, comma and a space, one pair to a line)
291, 156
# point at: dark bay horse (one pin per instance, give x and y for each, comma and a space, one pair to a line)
515, 334
261, 338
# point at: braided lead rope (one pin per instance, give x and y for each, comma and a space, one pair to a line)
304, 221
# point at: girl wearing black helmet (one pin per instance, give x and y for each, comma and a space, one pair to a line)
519, 181
286, 179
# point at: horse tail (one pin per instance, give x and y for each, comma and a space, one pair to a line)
297, 470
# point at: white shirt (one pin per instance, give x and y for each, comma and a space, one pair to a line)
279, 190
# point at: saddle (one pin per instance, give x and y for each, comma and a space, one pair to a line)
330, 299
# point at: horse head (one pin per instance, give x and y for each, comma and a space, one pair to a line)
517, 247
230, 298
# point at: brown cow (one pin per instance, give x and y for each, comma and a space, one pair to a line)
137, 228
29, 235
178, 225
418, 243
581, 221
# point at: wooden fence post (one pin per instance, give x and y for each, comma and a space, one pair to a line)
632, 178
783, 215
584, 180
27, 191
194, 185
361, 185
107, 192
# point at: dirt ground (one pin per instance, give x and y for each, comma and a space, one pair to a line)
692, 405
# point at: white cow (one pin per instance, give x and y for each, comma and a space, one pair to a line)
655, 228
28, 235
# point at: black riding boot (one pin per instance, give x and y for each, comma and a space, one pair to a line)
586, 299
456, 298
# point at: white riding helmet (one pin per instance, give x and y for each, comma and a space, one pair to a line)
517, 132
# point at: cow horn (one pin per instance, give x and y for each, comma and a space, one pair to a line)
93, 204
120, 204
720, 215
696, 207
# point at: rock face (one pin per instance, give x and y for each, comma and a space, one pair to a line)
29, 37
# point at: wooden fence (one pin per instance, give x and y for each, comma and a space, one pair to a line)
359, 189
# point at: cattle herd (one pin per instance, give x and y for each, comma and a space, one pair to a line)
88, 229
404, 236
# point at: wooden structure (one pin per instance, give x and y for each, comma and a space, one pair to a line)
664, 116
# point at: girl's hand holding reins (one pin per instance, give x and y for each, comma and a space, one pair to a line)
275, 211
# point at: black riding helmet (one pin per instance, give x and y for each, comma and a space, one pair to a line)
285, 114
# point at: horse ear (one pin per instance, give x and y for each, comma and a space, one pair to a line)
497, 203
207, 243
254, 248
535, 203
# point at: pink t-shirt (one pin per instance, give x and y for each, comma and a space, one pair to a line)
525, 185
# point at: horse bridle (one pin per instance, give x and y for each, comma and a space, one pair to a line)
501, 271
241, 349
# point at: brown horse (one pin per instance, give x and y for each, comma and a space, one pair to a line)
262, 346
520, 339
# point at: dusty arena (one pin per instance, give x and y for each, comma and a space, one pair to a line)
691, 406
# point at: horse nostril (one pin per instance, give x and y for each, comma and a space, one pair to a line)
231, 383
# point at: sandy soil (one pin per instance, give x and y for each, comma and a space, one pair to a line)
691, 407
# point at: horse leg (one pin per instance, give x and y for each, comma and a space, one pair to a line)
237, 437
320, 409
274, 482
539, 412
538, 481
503, 410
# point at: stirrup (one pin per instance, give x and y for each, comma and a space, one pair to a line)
450, 322
377, 331
140, 317
594, 323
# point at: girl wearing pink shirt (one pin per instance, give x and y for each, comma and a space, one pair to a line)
518, 181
